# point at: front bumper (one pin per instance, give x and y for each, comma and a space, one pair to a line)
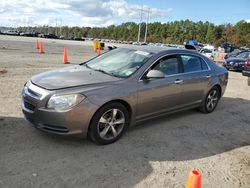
74, 121
229, 66
246, 73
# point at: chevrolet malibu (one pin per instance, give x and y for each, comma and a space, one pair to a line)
100, 98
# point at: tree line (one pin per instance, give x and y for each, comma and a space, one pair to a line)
175, 32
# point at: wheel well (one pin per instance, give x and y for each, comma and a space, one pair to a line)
219, 87
124, 103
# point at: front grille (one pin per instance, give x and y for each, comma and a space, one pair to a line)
34, 93
29, 106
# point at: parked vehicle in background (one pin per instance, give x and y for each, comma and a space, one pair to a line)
29, 34
103, 96
235, 53
136, 43
236, 63
61, 37
192, 45
208, 47
206, 52
41, 35
228, 48
246, 71
69, 38
50, 36
12, 32
79, 39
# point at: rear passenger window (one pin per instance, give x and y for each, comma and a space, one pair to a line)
193, 63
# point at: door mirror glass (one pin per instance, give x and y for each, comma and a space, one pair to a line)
155, 74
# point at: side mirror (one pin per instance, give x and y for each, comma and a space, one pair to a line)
155, 74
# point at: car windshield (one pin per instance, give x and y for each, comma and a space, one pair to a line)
119, 62
243, 55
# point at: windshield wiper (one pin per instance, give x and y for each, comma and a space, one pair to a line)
108, 73
86, 65
102, 71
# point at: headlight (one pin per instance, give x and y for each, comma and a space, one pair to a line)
64, 102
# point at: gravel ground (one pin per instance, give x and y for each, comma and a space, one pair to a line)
156, 153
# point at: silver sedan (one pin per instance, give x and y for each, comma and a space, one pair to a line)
102, 97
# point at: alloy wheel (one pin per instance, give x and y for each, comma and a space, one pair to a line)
212, 100
111, 124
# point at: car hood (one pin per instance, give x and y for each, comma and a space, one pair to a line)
235, 59
72, 76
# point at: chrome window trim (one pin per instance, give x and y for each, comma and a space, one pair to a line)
183, 73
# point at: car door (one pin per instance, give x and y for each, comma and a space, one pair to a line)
158, 95
196, 77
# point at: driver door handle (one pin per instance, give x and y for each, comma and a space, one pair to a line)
208, 76
178, 81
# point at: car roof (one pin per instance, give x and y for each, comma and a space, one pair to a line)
150, 49
158, 49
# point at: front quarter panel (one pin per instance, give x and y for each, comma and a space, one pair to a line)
125, 91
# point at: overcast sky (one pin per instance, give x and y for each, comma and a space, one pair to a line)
106, 12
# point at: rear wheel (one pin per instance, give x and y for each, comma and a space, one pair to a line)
108, 123
211, 101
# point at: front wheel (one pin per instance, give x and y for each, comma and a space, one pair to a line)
108, 123
211, 101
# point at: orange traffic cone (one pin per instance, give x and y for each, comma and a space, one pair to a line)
41, 50
65, 56
99, 51
37, 44
194, 179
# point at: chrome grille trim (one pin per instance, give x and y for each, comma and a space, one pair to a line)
34, 91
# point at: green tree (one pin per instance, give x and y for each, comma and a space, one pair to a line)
211, 34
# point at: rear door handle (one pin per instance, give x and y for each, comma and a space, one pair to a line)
208, 76
178, 81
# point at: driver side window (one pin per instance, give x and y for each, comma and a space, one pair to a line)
168, 65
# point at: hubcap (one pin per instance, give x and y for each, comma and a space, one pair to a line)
212, 100
111, 124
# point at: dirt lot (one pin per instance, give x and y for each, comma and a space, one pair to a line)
157, 153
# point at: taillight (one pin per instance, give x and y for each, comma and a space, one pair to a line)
247, 63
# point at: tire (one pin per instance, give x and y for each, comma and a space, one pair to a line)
109, 123
248, 81
211, 100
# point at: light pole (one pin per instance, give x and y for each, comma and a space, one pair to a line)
139, 31
146, 30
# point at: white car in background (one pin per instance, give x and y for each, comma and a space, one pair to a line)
206, 52
12, 32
